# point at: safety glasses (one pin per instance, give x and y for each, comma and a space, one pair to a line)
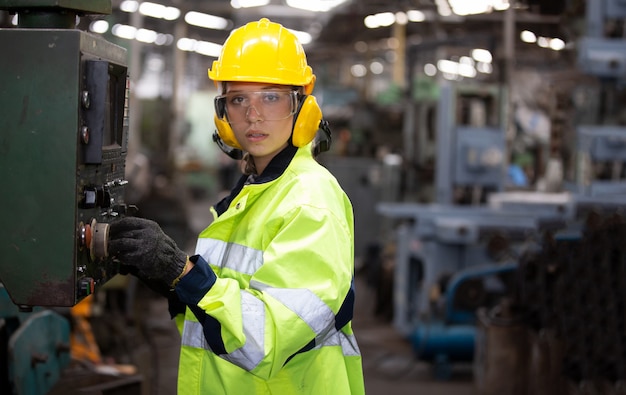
268, 105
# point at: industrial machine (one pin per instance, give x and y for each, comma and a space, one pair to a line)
464, 290
562, 333
63, 143
457, 254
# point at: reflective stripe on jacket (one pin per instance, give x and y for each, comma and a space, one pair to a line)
276, 314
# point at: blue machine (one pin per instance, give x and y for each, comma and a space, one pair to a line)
34, 361
452, 259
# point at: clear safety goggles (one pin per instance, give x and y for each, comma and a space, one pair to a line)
269, 105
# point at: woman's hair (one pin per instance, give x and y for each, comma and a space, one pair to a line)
247, 164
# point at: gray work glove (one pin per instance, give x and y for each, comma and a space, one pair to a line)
144, 250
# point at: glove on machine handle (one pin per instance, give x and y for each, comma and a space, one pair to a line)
144, 250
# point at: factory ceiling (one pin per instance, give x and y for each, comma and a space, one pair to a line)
336, 32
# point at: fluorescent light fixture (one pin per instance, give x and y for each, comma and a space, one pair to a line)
467, 70
99, 26
129, 6
485, 68
482, 55
443, 8
382, 19
159, 11
557, 44
186, 44
543, 42
451, 68
448, 66
142, 35
164, 39
416, 16
208, 49
124, 31
401, 18
501, 5
146, 36
206, 20
465, 7
248, 3
315, 5
466, 60
202, 47
528, 37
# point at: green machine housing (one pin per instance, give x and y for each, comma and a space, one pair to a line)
63, 144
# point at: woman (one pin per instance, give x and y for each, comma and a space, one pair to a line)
265, 305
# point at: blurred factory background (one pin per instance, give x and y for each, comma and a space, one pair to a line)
482, 143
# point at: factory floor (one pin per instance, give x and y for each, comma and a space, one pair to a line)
150, 344
140, 335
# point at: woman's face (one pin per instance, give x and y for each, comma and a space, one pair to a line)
261, 116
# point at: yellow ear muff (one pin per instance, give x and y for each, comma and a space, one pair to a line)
226, 132
307, 122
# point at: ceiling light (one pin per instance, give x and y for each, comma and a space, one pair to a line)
315, 5
99, 26
124, 31
206, 20
401, 18
416, 16
543, 42
482, 55
443, 8
160, 11
358, 70
485, 68
186, 44
129, 6
557, 44
464, 7
202, 47
146, 36
376, 67
208, 49
379, 20
430, 70
248, 3
528, 36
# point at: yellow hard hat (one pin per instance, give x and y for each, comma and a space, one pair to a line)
263, 51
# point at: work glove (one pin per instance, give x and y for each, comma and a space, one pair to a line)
144, 250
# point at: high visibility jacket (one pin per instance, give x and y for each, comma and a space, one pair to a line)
271, 311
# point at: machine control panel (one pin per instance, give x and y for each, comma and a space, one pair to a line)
63, 152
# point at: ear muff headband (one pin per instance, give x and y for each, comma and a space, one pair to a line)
305, 125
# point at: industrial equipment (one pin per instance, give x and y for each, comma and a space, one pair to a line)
450, 261
64, 123
452, 258
470, 160
563, 332
63, 144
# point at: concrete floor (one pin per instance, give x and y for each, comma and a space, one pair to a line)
389, 365
151, 343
